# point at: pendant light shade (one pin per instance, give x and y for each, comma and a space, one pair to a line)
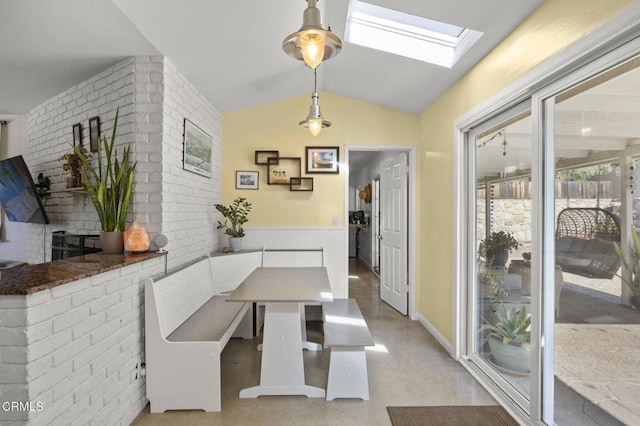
312, 43
315, 121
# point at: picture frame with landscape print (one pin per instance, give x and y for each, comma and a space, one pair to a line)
322, 159
198, 147
246, 179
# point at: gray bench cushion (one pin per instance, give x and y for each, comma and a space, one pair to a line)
209, 323
344, 324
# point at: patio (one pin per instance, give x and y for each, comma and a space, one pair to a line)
597, 345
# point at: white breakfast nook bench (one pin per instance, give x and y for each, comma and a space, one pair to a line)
188, 322
187, 325
346, 332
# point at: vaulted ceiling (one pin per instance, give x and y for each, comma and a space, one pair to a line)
230, 50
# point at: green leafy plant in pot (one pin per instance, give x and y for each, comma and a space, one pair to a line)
496, 248
632, 266
109, 185
235, 215
509, 338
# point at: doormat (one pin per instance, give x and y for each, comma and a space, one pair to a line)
468, 415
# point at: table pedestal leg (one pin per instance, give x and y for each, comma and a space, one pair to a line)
282, 371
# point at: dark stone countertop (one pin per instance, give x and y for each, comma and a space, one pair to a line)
33, 278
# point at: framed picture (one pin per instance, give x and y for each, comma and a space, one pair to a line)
262, 157
246, 180
323, 159
94, 133
301, 184
77, 134
197, 149
281, 169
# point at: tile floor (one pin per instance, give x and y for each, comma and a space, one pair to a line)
407, 367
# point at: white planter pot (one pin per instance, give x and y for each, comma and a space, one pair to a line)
511, 357
235, 243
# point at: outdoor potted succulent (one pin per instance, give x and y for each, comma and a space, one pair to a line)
509, 338
109, 185
496, 248
235, 215
632, 267
72, 167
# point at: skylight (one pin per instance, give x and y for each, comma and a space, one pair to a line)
408, 35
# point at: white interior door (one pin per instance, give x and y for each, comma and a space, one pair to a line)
394, 285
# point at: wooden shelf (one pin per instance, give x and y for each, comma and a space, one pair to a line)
77, 190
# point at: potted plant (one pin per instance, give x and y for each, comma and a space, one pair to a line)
236, 214
110, 185
509, 338
632, 267
496, 248
72, 166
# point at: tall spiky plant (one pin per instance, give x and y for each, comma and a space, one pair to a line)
110, 184
512, 328
631, 264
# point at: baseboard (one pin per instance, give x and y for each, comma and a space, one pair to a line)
435, 333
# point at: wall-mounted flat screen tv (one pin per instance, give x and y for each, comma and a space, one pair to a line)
18, 194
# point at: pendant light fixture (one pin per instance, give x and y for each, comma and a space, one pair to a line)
312, 43
315, 121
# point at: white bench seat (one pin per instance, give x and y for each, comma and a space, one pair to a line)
199, 327
346, 332
187, 325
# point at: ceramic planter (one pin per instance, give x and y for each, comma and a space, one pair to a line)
235, 243
511, 357
112, 242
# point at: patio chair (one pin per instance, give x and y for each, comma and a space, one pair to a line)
584, 242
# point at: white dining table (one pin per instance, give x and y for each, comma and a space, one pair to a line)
284, 292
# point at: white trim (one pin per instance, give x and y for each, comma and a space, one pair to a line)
411, 255
620, 29
589, 49
444, 342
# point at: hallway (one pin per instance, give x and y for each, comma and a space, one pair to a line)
406, 367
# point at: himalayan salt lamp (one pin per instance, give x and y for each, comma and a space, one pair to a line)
136, 237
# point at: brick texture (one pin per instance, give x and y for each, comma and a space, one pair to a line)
73, 349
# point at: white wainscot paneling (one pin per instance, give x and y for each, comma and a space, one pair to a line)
332, 239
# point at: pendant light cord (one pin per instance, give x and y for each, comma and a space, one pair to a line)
315, 81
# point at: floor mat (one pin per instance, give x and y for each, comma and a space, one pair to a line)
470, 415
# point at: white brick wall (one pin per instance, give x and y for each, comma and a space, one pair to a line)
79, 344
189, 215
77, 347
154, 99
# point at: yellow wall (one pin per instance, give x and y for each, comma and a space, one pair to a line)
553, 26
275, 127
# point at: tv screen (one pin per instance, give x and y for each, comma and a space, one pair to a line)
18, 194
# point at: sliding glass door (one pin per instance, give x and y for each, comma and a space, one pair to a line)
593, 141
499, 291
552, 187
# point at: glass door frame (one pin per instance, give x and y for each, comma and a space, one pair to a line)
520, 405
605, 47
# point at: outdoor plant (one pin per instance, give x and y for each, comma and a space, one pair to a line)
110, 183
632, 264
236, 214
497, 243
512, 328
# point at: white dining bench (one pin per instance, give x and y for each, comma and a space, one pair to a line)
347, 334
187, 325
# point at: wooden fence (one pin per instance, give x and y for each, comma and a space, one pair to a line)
521, 189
